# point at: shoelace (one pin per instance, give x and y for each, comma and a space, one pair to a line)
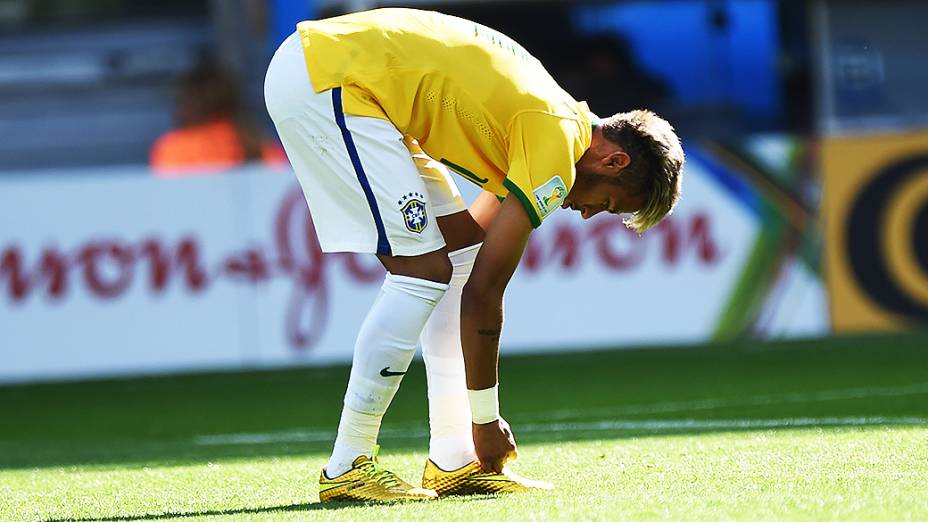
382, 476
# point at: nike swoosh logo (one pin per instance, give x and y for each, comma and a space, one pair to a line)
387, 373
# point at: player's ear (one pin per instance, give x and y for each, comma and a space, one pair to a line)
615, 162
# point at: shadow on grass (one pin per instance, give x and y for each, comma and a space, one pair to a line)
308, 506
305, 506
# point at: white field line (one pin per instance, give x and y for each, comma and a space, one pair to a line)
606, 425
396, 432
757, 400
682, 424
417, 431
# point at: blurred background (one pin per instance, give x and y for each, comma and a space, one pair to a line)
149, 223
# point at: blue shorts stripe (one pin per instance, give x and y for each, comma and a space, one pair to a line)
383, 245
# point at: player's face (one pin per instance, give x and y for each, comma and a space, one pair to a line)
591, 195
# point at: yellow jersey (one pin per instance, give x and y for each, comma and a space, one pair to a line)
473, 98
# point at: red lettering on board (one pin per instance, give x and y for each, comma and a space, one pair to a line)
52, 271
108, 268
163, 261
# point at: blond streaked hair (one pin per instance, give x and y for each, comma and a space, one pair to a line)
656, 168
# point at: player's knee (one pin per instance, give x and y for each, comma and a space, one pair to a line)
440, 268
434, 266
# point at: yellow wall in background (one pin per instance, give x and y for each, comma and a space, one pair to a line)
876, 230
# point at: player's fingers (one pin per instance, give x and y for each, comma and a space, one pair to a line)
490, 465
512, 454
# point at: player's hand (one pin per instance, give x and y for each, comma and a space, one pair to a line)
494, 444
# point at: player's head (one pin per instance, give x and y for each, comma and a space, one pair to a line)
633, 166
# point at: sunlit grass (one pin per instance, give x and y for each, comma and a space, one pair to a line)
832, 430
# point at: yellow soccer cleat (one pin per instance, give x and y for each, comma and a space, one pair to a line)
366, 481
471, 480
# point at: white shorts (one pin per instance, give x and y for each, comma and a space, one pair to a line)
365, 189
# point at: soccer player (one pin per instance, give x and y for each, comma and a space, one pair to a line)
373, 110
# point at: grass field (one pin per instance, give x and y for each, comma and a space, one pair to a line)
834, 429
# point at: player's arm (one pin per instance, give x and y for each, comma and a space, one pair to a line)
481, 324
482, 298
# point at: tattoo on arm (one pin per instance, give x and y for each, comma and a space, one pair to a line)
488, 333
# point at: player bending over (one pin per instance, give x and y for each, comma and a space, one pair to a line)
373, 109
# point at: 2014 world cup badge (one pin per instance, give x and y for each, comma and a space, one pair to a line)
550, 195
413, 208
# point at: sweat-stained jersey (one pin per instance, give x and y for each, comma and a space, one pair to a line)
473, 98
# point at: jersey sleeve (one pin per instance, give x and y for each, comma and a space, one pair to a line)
543, 152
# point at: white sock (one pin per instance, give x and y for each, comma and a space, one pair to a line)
357, 435
451, 443
385, 346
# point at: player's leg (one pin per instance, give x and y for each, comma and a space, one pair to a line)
385, 346
365, 196
450, 442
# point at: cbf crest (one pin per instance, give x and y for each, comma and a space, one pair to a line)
413, 208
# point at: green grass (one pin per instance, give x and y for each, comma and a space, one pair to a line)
834, 429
